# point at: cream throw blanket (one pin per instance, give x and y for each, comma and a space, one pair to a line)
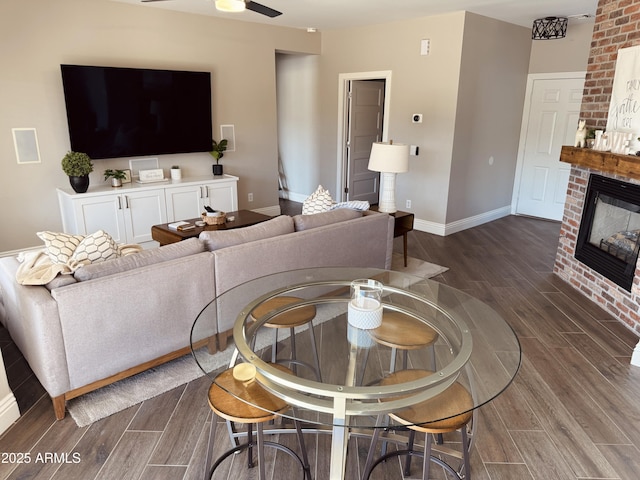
36, 268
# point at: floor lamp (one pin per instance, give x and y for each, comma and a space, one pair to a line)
389, 159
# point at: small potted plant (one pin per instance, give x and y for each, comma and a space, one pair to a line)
116, 176
77, 166
218, 152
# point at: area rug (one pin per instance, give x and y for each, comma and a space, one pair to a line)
116, 397
416, 266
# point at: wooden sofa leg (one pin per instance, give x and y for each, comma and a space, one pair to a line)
59, 406
223, 337
212, 344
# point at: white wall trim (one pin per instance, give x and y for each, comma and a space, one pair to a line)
531, 79
635, 358
459, 225
294, 197
343, 81
9, 411
272, 211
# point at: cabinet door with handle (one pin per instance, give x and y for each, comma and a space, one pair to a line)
104, 212
222, 196
184, 203
143, 210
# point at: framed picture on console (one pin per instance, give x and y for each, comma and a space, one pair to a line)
127, 178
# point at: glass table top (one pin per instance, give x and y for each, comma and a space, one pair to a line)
436, 334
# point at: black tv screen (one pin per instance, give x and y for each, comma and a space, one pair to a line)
125, 112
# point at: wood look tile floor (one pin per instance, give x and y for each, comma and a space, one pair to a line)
573, 411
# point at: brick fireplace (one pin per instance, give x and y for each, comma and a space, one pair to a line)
622, 304
617, 26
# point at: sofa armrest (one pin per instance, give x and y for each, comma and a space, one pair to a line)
31, 317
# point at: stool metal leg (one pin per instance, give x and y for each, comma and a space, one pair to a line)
294, 356
314, 350
372, 449
261, 468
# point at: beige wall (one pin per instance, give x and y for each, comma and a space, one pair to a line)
470, 89
453, 88
419, 84
37, 36
569, 54
493, 77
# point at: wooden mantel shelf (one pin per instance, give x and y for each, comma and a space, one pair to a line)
624, 165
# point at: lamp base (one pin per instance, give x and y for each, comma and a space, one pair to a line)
387, 202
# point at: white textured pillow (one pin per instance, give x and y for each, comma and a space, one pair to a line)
96, 248
319, 201
60, 246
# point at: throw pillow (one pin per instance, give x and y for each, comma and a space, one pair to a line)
95, 248
60, 246
319, 201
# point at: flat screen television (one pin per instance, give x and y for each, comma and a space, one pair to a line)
125, 112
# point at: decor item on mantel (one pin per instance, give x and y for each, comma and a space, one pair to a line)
176, 172
77, 166
581, 134
388, 159
217, 152
116, 176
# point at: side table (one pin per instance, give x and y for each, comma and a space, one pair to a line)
403, 225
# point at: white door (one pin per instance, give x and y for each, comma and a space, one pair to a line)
553, 117
366, 104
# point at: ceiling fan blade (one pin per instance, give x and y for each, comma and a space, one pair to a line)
148, 1
261, 9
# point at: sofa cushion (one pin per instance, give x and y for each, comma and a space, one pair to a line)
60, 246
60, 281
305, 222
216, 239
319, 201
165, 253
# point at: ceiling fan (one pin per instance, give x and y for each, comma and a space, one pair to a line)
238, 6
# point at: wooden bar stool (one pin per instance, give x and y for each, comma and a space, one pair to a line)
290, 319
249, 403
446, 405
402, 333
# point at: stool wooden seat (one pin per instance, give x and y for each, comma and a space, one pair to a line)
448, 406
403, 332
251, 404
290, 319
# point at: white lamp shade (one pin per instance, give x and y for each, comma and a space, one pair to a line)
230, 5
389, 157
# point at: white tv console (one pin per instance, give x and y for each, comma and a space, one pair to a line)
127, 213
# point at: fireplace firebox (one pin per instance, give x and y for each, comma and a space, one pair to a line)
609, 235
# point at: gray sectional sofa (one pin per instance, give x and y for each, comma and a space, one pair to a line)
113, 319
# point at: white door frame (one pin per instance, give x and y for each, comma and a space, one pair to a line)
524, 128
343, 82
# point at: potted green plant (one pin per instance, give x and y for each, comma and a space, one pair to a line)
116, 176
77, 166
217, 152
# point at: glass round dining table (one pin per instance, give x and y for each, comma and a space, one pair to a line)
335, 365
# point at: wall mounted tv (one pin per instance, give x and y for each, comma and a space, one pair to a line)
126, 112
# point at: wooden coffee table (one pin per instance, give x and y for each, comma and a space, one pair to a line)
243, 218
